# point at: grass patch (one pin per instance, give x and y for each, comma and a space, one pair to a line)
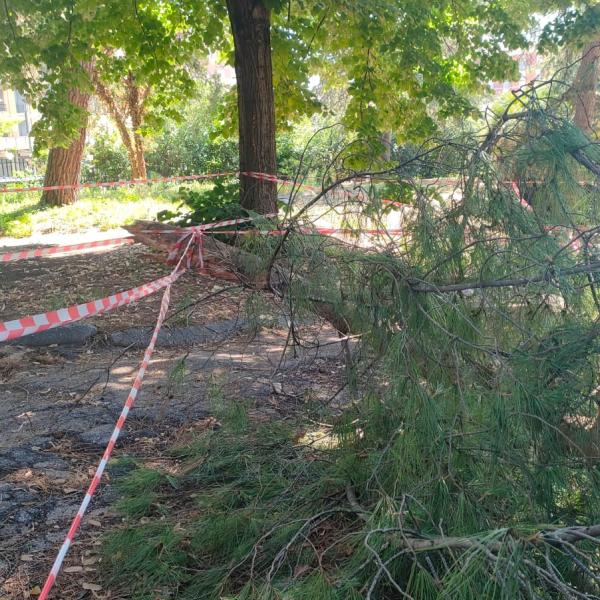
21, 215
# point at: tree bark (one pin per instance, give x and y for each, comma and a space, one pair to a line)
129, 109
386, 140
584, 87
251, 29
136, 114
139, 172
64, 164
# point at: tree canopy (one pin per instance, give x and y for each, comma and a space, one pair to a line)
395, 59
44, 45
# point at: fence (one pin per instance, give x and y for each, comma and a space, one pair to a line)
11, 167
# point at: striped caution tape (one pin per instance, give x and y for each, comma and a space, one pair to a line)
112, 184
193, 235
129, 402
146, 181
10, 330
308, 231
164, 305
205, 226
263, 176
38, 252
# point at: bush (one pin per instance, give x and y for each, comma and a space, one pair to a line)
192, 146
206, 205
105, 161
187, 151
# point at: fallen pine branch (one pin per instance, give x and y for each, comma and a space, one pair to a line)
547, 276
563, 535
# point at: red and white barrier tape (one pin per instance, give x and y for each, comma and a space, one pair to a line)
109, 184
194, 235
263, 176
111, 444
522, 201
308, 231
10, 330
37, 252
146, 181
129, 402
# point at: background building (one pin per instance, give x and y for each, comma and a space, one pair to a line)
16, 143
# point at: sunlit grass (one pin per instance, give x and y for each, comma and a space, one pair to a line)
21, 215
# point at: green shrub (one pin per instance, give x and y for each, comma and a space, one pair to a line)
186, 150
106, 161
206, 205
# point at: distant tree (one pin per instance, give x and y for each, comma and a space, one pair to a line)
64, 163
127, 107
142, 67
48, 70
132, 55
578, 26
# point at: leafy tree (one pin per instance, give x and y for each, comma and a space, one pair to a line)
141, 67
399, 61
39, 57
132, 55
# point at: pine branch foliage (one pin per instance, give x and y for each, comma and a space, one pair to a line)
468, 466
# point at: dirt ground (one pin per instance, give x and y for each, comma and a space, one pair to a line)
58, 404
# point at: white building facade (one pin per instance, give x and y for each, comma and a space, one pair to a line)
16, 143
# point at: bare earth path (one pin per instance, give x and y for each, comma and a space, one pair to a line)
58, 403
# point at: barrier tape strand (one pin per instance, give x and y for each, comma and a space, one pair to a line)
129, 402
10, 330
38, 252
164, 305
110, 184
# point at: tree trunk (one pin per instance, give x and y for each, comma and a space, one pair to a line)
386, 141
131, 108
135, 153
584, 87
251, 29
138, 171
136, 114
64, 164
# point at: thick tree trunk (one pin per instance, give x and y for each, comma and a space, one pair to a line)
251, 29
64, 164
585, 85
